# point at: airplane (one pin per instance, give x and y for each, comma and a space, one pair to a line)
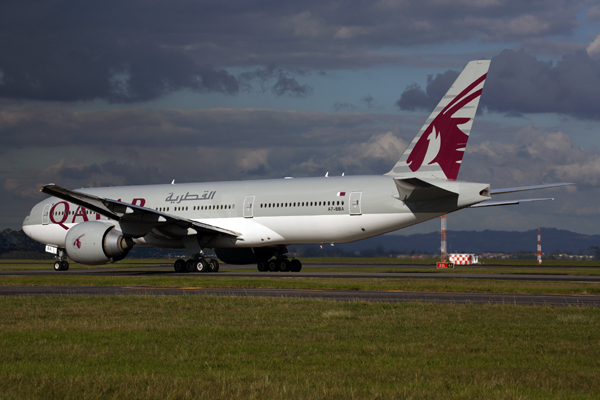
253, 222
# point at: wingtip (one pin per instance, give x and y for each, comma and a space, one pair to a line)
45, 186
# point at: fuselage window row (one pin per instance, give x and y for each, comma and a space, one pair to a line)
199, 208
302, 204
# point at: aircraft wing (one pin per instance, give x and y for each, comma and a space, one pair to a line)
132, 217
491, 203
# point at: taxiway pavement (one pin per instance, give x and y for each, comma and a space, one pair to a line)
311, 271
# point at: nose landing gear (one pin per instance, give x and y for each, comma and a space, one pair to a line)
61, 263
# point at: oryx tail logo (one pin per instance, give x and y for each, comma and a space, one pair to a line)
444, 131
77, 242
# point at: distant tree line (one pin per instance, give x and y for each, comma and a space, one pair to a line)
17, 245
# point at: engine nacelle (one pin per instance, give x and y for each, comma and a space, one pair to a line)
96, 242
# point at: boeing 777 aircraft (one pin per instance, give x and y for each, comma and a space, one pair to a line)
253, 221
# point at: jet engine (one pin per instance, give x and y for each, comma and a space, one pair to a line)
96, 242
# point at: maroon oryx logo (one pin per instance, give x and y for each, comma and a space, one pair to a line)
77, 242
452, 140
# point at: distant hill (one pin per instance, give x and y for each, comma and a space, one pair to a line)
467, 242
16, 245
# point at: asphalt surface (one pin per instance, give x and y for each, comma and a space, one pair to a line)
234, 271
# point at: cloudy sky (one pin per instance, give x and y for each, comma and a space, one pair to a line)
96, 93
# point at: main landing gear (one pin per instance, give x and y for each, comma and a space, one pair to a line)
279, 264
200, 264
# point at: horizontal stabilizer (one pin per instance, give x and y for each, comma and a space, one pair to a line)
492, 203
418, 189
524, 188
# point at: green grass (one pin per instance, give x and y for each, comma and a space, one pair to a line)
196, 347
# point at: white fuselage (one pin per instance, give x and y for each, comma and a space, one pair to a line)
263, 212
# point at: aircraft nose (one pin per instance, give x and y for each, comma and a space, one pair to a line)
26, 226
29, 222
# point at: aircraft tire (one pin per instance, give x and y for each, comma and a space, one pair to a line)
58, 266
65, 265
296, 266
179, 265
262, 266
202, 265
284, 266
273, 266
190, 265
214, 265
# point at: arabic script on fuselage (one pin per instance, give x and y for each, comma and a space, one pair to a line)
191, 197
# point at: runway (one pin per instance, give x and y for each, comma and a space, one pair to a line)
340, 295
309, 271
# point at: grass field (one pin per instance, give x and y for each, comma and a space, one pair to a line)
202, 347
257, 348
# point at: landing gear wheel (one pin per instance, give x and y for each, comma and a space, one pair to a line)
273, 266
61, 266
190, 265
179, 265
284, 265
262, 266
295, 265
202, 265
214, 265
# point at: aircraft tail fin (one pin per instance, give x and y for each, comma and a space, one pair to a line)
438, 149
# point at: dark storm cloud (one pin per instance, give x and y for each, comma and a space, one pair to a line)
53, 127
519, 83
280, 82
132, 51
87, 68
415, 98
